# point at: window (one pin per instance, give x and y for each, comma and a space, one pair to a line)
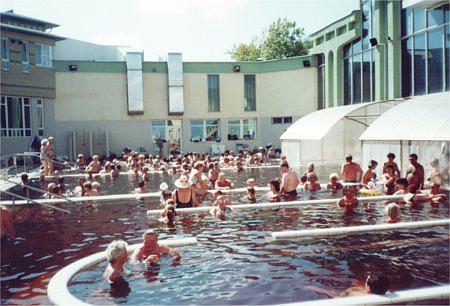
321, 81
239, 129
16, 117
40, 117
44, 55
425, 59
25, 57
250, 93
5, 54
281, 120
204, 130
159, 130
213, 93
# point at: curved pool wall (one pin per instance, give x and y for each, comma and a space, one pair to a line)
58, 291
59, 294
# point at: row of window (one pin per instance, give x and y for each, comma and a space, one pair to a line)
281, 120
425, 50
43, 55
204, 130
16, 116
214, 93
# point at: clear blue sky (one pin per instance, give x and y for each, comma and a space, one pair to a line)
203, 30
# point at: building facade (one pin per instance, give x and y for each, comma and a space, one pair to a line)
388, 49
234, 105
27, 81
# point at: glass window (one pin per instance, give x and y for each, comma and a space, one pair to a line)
435, 60
25, 57
16, 117
212, 130
435, 16
40, 117
5, 54
419, 19
406, 21
213, 93
373, 95
347, 50
366, 76
158, 129
196, 130
419, 64
347, 81
249, 128
250, 92
356, 75
407, 57
366, 24
356, 46
44, 55
234, 129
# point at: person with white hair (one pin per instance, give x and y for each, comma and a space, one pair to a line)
151, 250
117, 256
334, 186
393, 212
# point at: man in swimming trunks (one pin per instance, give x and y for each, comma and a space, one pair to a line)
415, 173
351, 172
151, 251
289, 181
6, 224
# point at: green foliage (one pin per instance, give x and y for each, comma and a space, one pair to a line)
281, 39
245, 52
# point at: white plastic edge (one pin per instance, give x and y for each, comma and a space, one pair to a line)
358, 229
58, 291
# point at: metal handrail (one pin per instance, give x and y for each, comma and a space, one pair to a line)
35, 154
38, 190
34, 202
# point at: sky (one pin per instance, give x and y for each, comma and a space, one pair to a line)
202, 30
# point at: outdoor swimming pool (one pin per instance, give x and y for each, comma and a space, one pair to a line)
235, 262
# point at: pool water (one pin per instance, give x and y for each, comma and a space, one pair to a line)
235, 262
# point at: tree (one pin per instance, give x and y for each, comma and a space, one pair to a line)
281, 39
245, 52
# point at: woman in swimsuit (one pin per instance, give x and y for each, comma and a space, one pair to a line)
184, 195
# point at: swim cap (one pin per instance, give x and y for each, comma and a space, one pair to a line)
163, 186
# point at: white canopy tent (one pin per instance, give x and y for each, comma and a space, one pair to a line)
329, 134
420, 125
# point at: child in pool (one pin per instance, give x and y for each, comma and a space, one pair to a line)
169, 213
349, 202
251, 194
220, 207
393, 212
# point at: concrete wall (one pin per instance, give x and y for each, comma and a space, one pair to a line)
97, 101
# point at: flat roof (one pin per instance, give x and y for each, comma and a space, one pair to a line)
12, 15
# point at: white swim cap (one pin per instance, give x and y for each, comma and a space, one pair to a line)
163, 186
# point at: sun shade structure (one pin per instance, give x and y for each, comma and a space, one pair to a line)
420, 125
329, 134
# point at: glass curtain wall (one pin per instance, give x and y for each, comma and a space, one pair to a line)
359, 61
213, 93
425, 50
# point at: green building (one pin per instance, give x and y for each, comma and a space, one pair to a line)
388, 49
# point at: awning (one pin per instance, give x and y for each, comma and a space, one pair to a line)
316, 125
421, 118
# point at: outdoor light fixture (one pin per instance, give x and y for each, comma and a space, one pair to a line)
237, 68
306, 63
73, 67
373, 42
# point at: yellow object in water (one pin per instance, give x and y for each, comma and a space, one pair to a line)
369, 192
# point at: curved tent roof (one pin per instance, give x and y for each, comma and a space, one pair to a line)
316, 125
421, 118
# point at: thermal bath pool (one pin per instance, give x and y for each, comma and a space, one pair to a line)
235, 261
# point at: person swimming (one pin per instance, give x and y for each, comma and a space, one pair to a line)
393, 212
349, 202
